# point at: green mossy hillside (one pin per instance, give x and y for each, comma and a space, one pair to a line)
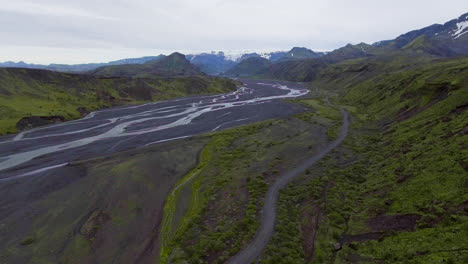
26, 92
405, 160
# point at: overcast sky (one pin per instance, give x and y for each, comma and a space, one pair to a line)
77, 31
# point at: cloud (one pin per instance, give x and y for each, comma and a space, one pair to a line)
123, 27
48, 10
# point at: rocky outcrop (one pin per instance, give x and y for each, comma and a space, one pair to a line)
37, 121
105, 96
83, 111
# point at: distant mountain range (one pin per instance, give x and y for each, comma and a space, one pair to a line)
212, 63
220, 62
76, 67
449, 39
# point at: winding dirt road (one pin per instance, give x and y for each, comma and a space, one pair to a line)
264, 233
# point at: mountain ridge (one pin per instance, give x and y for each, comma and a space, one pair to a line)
212, 63
76, 67
435, 41
173, 65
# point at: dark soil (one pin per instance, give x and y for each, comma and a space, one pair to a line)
346, 239
403, 222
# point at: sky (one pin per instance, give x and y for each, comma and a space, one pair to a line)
72, 31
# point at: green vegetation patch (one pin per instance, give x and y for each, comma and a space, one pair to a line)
243, 162
404, 160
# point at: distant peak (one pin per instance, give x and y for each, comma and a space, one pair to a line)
299, 48
177, 54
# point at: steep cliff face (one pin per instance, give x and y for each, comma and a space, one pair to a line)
37, 121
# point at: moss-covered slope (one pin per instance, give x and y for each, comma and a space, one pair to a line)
395, 192
27, 92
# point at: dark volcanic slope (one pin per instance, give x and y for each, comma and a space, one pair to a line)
171, 66
36, 151
249, 66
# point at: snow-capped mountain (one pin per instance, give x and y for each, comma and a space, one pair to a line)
216, 62
447, 39
462, 28
238, 55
